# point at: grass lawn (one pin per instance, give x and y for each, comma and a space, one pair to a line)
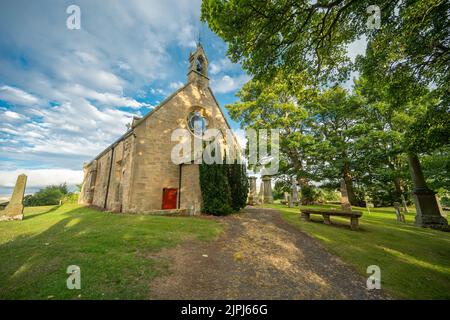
414, 262
115, 252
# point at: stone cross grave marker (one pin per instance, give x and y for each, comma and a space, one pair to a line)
14, 210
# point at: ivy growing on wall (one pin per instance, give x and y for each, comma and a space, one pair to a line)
224, 188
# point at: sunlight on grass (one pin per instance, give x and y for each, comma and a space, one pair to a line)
414, 262
115, 252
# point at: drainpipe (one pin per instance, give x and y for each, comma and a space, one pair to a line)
109, 177
179, 186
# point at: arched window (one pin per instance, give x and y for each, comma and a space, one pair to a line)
199, 64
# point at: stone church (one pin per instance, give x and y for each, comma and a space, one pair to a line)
136, 173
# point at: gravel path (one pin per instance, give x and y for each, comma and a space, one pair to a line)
259, 256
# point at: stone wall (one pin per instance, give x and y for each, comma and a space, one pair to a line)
191, 195
142, 165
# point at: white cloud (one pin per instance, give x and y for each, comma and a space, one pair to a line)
69, 84
107, 98
41, 177
17, 96
227, 83
176, 85
13, 115
222, 65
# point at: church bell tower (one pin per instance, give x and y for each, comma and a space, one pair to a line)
198, 67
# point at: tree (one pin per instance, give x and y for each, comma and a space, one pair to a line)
279, 104
49, 195
335, 116
311, 36
239, 185
216, 193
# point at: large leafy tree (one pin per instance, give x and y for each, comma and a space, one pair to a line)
311, 36
335, 117
279, 104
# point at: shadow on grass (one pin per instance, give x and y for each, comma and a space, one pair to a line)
415, 262
105, 246
35, 215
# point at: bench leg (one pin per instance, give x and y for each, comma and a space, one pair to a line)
305, 216
354, 225
326, 219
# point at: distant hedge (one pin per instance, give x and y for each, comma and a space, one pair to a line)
224, 188
49, 195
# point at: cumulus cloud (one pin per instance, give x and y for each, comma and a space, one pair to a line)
176, 85
37, 178
67, 94
70, 93
13, 115
222, 65
17, 96
227, 83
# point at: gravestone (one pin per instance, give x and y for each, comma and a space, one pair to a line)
345, 204
286, 197
294, 190
290, 202
268, 197
253, 194
427, 209
14, 210
405, 206
398, 212
369, 204
261, 193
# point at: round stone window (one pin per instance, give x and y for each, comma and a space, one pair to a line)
197, 123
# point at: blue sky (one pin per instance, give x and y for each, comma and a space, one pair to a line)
67, 94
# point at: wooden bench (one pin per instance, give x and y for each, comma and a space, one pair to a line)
353, 215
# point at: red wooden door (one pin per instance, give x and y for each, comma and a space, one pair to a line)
169, 198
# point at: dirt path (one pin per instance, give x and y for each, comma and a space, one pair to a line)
259, 256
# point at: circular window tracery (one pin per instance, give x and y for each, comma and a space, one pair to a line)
197, 123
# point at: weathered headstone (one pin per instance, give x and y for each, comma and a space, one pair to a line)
261, 193
14, 210
345, 204
369, 203
285, 198
398, 212
253, 194
427, 209
268, 197
405, 206
290, 202
294, 190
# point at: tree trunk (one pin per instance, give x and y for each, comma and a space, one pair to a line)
349, 184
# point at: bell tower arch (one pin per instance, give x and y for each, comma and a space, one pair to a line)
198, 67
